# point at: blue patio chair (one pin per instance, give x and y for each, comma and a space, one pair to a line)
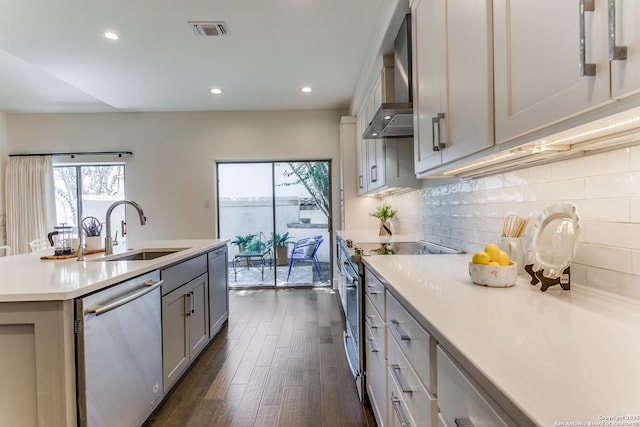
305, 250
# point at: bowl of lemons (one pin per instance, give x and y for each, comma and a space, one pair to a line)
492, 267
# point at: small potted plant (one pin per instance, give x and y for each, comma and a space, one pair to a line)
279, 245
385, 213
242, 241
92, 229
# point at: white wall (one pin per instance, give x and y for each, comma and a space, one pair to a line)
605, 189
171, 172
3, 165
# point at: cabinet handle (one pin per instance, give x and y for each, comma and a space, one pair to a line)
368, 319
370, 290
373, 174
370, 342
585, 68
398, 332
463, 422
437, 121
396, 373
434, 121
396, 403
615, 52
190, 307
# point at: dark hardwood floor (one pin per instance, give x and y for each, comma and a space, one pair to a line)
279, 362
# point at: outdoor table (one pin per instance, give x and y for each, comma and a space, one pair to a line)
252, 259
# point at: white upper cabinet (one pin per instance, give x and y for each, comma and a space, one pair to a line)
453, 80
539, 46
625, 34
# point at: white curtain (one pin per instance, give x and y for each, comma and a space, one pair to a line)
30, 193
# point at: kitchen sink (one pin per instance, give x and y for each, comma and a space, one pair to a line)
141, 254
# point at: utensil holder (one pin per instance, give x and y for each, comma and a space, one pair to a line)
514, 247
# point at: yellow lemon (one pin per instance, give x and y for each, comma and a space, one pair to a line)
504, 258
493, 250
480, 258
494, 263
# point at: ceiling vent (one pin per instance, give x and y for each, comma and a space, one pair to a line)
209, 28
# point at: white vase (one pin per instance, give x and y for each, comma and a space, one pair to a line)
94, 243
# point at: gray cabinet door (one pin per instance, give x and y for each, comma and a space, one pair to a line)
175, 338
196, 294
218, 292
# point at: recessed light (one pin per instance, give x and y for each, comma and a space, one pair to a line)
215, 90
387, 117
110, 35
305, 89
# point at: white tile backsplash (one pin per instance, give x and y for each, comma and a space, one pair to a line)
604, 187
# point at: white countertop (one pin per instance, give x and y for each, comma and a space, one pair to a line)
559, 356
28, 278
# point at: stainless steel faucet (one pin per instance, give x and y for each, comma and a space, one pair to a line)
108, 243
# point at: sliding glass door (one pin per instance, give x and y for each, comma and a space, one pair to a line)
277, 217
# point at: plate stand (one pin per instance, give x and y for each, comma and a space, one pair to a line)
538, 277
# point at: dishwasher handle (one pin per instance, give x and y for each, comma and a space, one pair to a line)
148, 286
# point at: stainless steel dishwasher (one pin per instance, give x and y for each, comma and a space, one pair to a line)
119, 353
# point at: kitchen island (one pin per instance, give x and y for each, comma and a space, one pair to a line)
547, 359
37, 336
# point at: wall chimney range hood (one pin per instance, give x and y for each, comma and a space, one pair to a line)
395, 119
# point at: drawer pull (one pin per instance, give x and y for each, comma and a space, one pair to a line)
396, 403
369, 319
370, 341
396, 328
396, 373
371, 291
463, 422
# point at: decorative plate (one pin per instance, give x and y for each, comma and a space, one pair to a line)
554, 239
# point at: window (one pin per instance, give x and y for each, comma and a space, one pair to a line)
88, 190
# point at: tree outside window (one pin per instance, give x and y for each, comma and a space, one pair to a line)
88, 190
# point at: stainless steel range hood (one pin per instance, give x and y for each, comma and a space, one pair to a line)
395, 120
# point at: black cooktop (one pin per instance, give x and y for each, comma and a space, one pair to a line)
405, 248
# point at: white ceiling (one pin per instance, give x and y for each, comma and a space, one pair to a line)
53, 57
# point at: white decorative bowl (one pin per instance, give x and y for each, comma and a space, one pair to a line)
494, 276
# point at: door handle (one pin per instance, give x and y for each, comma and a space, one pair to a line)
586, 69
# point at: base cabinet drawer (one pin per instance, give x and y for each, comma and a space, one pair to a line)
374, 321
374, 289
459, 400
421, 406
376, 377
418, 346
398, 412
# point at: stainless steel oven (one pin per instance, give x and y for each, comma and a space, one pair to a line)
351, 272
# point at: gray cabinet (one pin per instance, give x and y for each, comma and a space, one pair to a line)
218, 291
185, 316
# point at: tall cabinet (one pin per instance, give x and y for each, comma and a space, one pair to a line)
453, 80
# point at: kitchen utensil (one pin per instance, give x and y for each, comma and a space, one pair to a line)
514, 226
553, 244
494, 276
61, 238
